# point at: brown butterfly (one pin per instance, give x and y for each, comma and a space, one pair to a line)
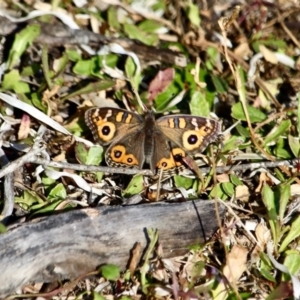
134, 140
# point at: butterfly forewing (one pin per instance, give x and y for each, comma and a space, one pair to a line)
191, 133
111, 124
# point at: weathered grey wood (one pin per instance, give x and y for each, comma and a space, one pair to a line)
69, 244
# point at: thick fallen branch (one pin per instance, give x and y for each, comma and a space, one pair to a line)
69, 244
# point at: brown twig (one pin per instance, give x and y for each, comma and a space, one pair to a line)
287, 31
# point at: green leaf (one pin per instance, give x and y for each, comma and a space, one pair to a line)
271, 42
220, 84
294, 144
110, 272
37, 101
12, 81
266, 267
149, 26
279, 130
255, 114
45, 66
97, 296
93, 66
235, 180
31, 70
47, 181
61, 64
212, 55
199, 105
22, 41
218, 192
292, 235
193, 14
89, 156
27, 199
269, 201
73, 55
112, 18
183, 182
125, 298
135, 186
130, 67
281, 150
292, 262
162, 100
268, 198
285, 193
3, 229
87, 67
228, 188
95, 156
232, 143
135, 33
244, 132
45, 207
267, 274
58, 192
91, 87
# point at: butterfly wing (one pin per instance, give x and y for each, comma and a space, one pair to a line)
166, 156
190, 133
127, 151
120, 129
111, 124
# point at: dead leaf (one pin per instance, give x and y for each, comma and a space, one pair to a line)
24, 127
135, 257
233, 270
263, 178
263, 236
268, 54
236, 263
243, 50
242, 193
223, 178
160, 83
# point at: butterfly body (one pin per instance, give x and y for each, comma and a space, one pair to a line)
134, 141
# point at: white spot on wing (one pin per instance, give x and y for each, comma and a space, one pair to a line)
194, 122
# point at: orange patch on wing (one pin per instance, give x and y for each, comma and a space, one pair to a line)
118, 155
182, 123
119, 116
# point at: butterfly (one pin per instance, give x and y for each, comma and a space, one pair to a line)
133, 141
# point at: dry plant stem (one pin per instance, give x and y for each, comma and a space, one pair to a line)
222, 25
287, 31
243, 101
240, 223
235, 72
86, 168
273, 117
215, 199
281, 17
28, 157
8, 188
204, 170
